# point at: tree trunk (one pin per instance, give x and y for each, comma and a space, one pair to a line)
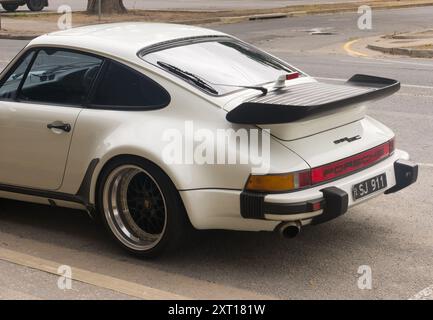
107, 6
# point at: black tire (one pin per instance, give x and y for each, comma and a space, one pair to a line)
176, 225
10, 7
35, 5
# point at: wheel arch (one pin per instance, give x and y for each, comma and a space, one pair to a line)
104, 163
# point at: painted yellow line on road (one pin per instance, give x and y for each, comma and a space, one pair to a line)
347, 47
92, 278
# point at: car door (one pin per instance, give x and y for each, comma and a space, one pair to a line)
40, 99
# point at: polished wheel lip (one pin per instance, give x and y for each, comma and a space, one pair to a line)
117, 214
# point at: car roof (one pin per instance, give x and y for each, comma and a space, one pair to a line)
123, 40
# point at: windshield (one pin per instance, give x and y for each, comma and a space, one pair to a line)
218, 67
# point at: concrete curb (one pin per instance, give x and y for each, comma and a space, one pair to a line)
268, 16
8, 36
414, 53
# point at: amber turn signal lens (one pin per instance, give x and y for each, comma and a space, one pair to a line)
270, 183
278, 182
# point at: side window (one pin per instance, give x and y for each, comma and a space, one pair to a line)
60, 76
12, 80
122, 86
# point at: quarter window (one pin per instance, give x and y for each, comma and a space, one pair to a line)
60, 77
9, 87
123, 87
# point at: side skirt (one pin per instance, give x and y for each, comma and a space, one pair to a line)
82, 196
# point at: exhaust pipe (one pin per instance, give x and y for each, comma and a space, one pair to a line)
289, 230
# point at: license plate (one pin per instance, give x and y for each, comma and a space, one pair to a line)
363, 189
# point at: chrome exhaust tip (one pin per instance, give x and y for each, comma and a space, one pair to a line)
289, 230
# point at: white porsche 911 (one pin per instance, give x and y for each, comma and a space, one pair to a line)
125, 121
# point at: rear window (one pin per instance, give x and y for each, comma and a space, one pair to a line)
221, 65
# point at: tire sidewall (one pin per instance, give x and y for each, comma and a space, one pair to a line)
10, 7
35, 5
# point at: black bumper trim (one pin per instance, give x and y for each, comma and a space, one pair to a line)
293, 208
406, 173
253, 206
336, 204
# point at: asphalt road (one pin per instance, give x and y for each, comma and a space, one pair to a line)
191, 4
391, 234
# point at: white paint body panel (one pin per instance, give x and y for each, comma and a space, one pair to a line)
33, 156
320, 148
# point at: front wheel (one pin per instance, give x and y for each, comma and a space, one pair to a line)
35, 5
140, 207
10, 7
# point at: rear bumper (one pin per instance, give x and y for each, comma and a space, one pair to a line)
330, 201
221, 208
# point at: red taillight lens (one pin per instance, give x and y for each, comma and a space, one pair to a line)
391, 145
304, 179
342, 167
293, 75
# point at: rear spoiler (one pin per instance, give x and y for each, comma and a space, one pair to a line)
304, 100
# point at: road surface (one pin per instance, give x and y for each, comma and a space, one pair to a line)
78, 5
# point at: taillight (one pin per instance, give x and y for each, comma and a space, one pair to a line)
391, 145
342, 167
302, 179
293, 75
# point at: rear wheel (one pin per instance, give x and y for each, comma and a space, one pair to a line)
140, 207
35, 5
10, 7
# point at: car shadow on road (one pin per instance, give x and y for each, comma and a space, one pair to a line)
44, 223
241, 259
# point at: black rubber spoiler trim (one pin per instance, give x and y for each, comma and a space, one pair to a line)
256, 112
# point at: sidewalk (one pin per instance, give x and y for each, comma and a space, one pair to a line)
417, 44
27, 26
22, 283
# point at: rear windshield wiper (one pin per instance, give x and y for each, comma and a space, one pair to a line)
188, 76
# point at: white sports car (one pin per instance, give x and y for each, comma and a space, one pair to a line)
156, 127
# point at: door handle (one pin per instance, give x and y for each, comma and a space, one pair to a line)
59, 126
